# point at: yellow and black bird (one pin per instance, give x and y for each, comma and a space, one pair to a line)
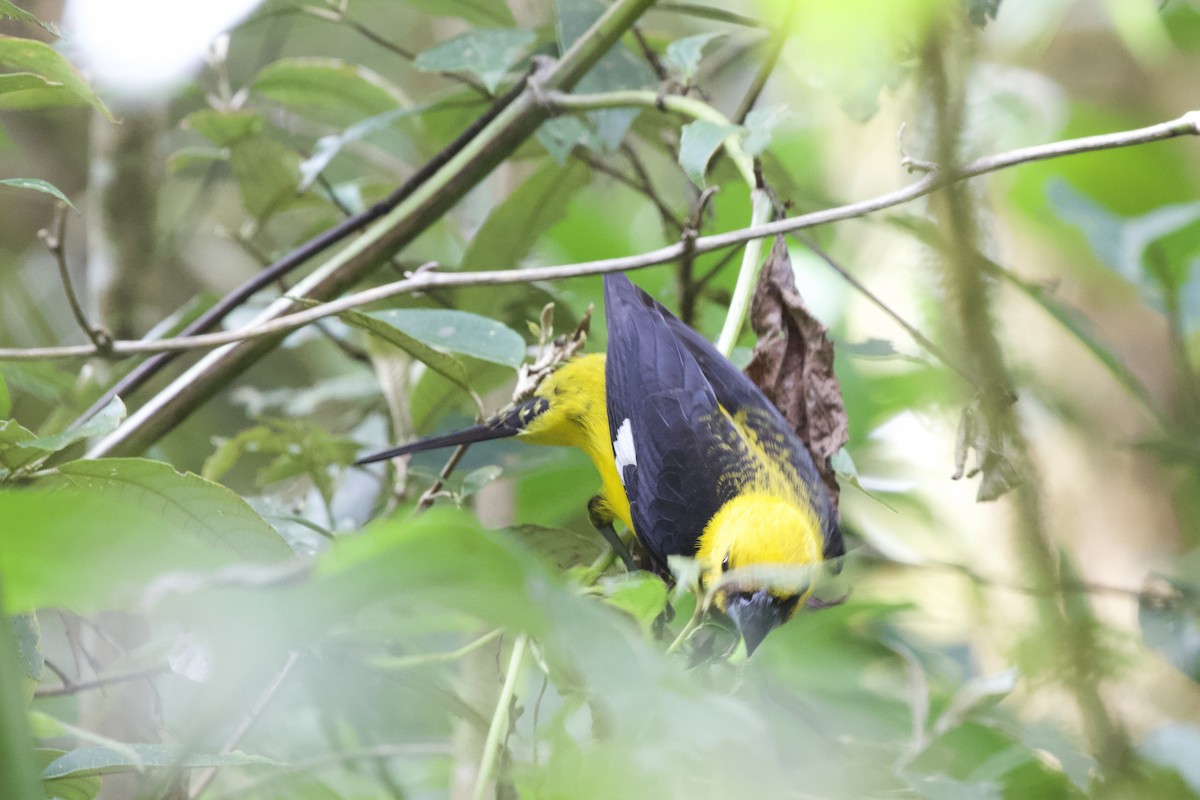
693, 458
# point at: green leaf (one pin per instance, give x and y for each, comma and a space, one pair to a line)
441, 558
561, 135
104, 422
10, 11
760, 123
515, 226
224, 128
37, 185
562, 547
5, 399
619, 68
186, 159
445, 365
327, 147
22, 81
476, 479
485, 13
12, 436
75, 788
70, 88
327, 89
184, 502
699, 140
457, 332
642, 595
487, 54
683, 55
116, 524
89, 761
267, 173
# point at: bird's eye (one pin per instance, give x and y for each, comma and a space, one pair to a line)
725, 563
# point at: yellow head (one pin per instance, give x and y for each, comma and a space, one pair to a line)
771, 546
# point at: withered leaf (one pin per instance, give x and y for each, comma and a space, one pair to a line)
793, 364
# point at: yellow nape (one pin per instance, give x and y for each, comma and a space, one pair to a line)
577, 416
759, 529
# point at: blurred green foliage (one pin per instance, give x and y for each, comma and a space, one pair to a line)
250, 632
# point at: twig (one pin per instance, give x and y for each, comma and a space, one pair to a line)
407, 662
1187, 125
499, 726
56, 243
204, 778
74, 687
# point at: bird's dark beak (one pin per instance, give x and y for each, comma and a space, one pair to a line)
755, 614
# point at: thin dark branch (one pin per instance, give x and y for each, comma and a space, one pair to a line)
74, 687
55, 242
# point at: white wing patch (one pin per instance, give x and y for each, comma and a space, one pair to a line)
623, 450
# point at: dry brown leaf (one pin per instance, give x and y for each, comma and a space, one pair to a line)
793, 364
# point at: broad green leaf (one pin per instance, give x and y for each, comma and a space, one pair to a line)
642, 595
267, 173
619, 68
186, 159
185, 502
760, 123
94, 545
224, 128
88, 761
457, 332
104, 422
476, 479
5, 399
699, 140
37, 185
489, 13
12, 436
562, 547
327, 147
27, 55
445, 365
515, 226
22, 81
561, 135
75, 788
683, 55
442, 558
328, 89
10, 11
487, 54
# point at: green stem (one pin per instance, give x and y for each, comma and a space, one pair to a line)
747, 276
407, 662
491, 746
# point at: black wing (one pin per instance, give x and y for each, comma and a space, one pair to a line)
665, 422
